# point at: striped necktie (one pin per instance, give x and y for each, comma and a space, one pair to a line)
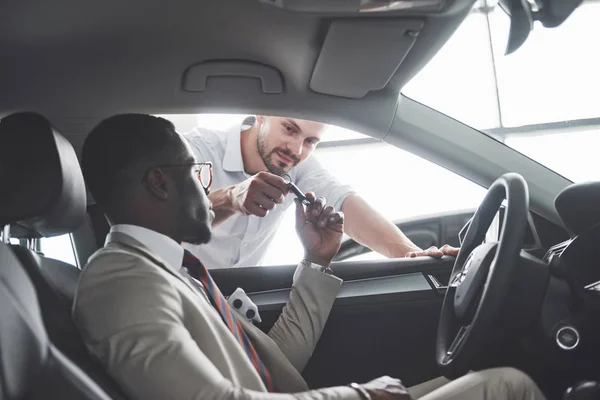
198, 271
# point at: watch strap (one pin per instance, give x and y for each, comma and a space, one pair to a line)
320, 268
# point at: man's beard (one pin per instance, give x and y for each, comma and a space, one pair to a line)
275, 167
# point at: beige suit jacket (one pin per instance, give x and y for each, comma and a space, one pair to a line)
160, 338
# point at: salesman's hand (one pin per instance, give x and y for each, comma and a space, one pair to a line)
445, 250
320, 229
258, 194
386, 388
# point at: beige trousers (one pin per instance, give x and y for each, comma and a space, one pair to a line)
490, 384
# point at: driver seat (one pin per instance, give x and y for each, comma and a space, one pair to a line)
46, 196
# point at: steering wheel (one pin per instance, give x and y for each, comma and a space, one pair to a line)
481, 278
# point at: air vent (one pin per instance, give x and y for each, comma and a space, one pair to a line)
556, 251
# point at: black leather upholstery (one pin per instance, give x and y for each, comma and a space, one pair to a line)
56, 282
99, 223
46, 192
577, 206
30, 367
51, 203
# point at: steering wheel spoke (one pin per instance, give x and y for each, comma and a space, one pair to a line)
457, 342
457, 279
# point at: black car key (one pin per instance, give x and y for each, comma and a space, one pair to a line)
305, 200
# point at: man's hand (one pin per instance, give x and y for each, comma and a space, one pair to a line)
386, 388
320, 229
258, 194
433, 251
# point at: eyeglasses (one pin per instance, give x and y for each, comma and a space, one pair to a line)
204, 171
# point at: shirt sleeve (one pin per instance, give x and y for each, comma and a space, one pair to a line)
312, 177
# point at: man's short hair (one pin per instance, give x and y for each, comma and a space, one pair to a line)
119, 148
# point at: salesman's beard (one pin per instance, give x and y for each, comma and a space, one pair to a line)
268, 157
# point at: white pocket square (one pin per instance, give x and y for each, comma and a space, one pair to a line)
240, 302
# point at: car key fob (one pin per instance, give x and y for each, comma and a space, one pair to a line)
305, 200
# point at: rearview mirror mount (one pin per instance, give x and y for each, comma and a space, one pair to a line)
523, 13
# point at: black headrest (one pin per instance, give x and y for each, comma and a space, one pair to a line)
43, 192
23, 340
577, 206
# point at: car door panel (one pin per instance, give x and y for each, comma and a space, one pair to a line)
260, 279
394, 336
371, 333
383, 321
351, 293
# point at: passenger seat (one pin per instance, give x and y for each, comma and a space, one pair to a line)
45, 196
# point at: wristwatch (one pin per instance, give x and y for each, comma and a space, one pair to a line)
320, 268
362, 392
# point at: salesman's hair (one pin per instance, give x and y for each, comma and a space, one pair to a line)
120, 149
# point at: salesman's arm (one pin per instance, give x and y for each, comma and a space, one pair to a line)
362, 222
368, 227
256, 195
131, 318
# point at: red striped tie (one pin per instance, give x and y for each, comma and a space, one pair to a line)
198, 271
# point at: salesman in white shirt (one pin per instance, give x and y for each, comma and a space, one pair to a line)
249, 195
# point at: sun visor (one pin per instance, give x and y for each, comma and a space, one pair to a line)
359, 56
358, 6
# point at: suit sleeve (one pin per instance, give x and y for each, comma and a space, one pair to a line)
303, 318
131, 319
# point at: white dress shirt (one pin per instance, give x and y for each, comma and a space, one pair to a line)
242, 241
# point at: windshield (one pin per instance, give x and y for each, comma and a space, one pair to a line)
543, 100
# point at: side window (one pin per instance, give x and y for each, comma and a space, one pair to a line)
398, 184
550, 115
59, 248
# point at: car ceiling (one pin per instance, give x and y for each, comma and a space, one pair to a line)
78, 61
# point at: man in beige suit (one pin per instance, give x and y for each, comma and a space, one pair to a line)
152, 315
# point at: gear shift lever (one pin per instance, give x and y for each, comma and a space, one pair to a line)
585, 390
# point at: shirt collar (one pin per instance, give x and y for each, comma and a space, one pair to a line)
232, 159
162, 246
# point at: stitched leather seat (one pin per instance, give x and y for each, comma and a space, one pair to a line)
45, 196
